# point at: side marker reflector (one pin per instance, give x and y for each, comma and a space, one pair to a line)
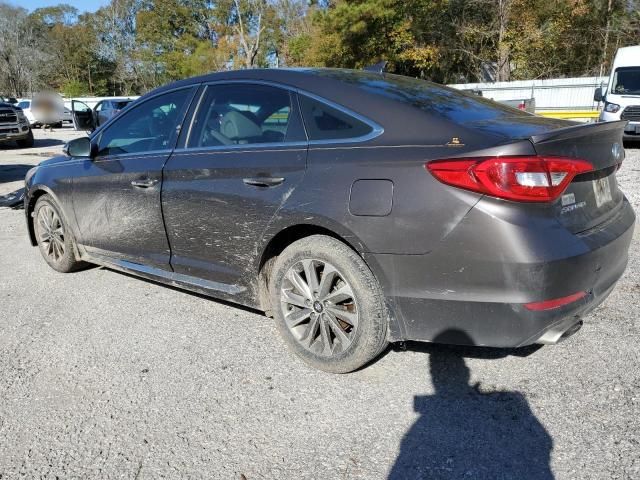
555, 303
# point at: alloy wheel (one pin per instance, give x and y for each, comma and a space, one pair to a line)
51, 233
319, 307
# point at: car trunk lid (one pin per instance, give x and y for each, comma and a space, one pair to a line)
591, 198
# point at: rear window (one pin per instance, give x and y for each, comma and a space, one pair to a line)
324, 122
120, 105
457, 106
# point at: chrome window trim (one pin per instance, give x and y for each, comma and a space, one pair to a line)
243, 147
376, 129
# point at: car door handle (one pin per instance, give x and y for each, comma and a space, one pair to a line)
263, 181
144, 183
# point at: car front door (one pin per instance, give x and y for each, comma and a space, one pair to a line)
117, 197
82, 116
245, 154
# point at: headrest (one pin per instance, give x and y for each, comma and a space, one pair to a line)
236, 126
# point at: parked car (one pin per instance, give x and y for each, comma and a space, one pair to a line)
524, 104
14, 126
25, 105
66, 115
621, 96
87, 118
11, 100
356, 208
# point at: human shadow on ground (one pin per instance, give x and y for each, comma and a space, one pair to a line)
465, 431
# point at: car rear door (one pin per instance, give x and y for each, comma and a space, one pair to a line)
244, 155
117, 197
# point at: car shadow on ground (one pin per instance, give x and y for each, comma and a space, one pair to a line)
13, 172
38, 143
469, 431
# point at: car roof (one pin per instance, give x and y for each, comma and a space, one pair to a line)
627, 57
342, 86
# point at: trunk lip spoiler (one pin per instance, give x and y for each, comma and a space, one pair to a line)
573, 131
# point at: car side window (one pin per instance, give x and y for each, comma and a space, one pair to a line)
324, 122
99, 106
239, 114
150, 126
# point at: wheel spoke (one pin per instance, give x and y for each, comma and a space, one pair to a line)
60, 245
311, 275
337, 330
296, 317
341, 294
310, 333
299, 284
293, 299
56, 249
325, 338
326, 281
345, 315
42, 218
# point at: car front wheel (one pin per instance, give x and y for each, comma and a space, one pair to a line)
26, 142
327, 304
54, 238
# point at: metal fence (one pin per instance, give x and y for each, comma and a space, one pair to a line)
560, 97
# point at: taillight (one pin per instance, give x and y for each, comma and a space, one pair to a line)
521, 178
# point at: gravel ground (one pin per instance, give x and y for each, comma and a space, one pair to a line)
106, 376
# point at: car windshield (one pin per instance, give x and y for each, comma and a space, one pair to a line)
121, 105
626, 81
24, 105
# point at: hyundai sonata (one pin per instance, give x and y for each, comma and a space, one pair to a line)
356, 208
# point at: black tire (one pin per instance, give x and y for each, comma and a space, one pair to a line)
365, 341
26, 142
63, 260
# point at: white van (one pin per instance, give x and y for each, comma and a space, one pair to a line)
622, 95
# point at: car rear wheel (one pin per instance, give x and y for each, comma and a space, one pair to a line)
327, 304
55, 240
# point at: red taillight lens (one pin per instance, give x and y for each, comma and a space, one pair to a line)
523, 179
555, 303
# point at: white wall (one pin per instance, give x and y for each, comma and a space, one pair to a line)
553, 94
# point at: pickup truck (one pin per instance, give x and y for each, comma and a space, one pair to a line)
14, 126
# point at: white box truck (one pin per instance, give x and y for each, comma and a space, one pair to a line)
621, 96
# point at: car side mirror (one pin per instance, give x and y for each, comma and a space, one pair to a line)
597, 95
79, 147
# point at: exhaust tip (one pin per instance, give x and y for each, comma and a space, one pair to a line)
559, 333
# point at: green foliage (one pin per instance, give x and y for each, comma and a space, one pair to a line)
131, 46
74, 88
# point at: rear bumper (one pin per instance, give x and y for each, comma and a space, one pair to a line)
473, 290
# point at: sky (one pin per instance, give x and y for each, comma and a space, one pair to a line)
81, 5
